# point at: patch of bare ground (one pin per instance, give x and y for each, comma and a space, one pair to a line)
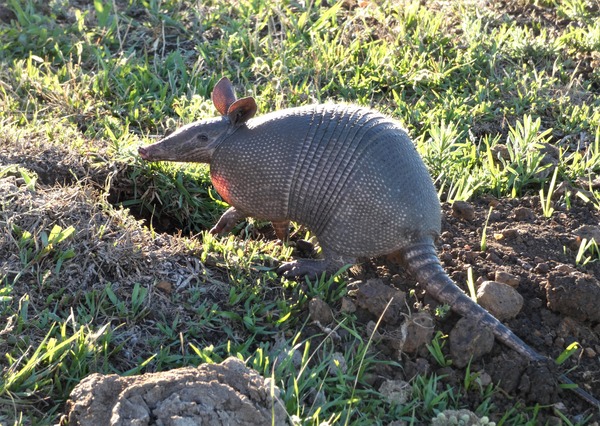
538, 255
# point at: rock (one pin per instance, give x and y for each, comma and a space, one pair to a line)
510, 233
501, 300
575, 295
588, 232
320, 311
374, 296
212, 394
506, 278
460, 417
500, 152
337, 365
541, 268
523, 214
469, 341
396, 391
348, 305
565, 269
416, 331
283, 352
463, 210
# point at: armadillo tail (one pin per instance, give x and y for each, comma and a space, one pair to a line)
421, 260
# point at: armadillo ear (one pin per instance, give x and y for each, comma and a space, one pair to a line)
242, 110
223, 95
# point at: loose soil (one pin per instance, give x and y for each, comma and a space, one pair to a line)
560, 297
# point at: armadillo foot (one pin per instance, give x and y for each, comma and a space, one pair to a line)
282, 229
314, 268
227, 221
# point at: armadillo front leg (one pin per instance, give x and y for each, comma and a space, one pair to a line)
313, 268
227, 221
282, 229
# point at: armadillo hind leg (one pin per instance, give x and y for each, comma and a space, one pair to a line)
331, 263
227, 221
422, 261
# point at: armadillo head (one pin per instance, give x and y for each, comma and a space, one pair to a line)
194, 142
197, 141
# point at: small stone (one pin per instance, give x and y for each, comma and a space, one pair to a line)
319, 311
588, 232
469, 341
501, 300
484, 379
506, 278
510, 233
165, 286
542, 268
416, 331
396, 391
493, 257
337, 364
500, 152
463, 210
590, 353
348, 305
524, 214
564, 269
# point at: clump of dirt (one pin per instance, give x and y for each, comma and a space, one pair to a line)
212, 394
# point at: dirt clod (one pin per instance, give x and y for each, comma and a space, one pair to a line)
416, 331
469, 341
396, 391
320, 311
575, 295
506, 278
463, 210
524, 214
212, 394
374, 296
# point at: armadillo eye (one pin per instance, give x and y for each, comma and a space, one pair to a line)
202, 137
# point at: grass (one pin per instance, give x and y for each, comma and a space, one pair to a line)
84, 288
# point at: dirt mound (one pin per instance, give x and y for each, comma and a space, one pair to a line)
212, 394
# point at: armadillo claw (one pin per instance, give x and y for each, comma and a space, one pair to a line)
303, 267
227, 221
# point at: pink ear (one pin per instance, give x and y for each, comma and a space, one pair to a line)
223, 95
242, 110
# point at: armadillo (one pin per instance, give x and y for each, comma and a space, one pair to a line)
349, 174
